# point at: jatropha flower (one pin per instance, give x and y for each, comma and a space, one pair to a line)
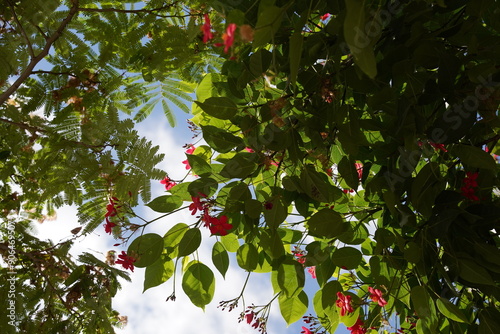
376, 296
196, 206
218, 226
306, 330
228, 37
169, 184
312, 271
126, 261
206, 29
111, 211
357, 328
470, 183
190, 150
344, 303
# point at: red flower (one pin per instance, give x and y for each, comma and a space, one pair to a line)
470, 179
312, 271
359, 169
376, 296
108, 226
324, 16
191, 149
249, 317
248, 149
357, 328
268, 205
344, 303
228, 37
438, 146
126, 261
196, 205
470, 183
219, 226
205, 28
169, 184
306, 330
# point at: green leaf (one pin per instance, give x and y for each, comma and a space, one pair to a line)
204, 185
198, 283
489, 321
425, 188
220, 258
165, 203
291, 277
450, 310
358, 38
326, 223
219, 107
230, 242
293, 308
199, 165
422, 302
247, 257
271, 242
240, 166
474, 156
268, 23
347, 257
190, 242
173, 237
253, 208
276, 214
75, 275
474, 273
159, 272
146, 249
220, 140
348, 171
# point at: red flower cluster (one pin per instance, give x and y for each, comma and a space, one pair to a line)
169, 184
111, 211
357, 328
376, 296
438, 146
216, 225
312, 271
206, 29
470, 183
228, 37
300, 255
344, 303
190, 150
126, 261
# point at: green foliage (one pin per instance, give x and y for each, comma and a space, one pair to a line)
355, 146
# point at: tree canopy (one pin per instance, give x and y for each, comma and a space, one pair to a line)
353, 141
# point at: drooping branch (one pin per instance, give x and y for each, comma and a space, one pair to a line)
153, 11
35, 60
30, 46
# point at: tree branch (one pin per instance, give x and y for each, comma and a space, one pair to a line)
30, 47
35, 60
135, 11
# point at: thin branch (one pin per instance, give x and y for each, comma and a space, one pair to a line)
34, 61
54, 73
135, 11
30, 47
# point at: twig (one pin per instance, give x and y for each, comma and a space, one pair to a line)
134, 11
30, 47
35, 60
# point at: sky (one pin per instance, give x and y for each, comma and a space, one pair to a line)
148, 312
